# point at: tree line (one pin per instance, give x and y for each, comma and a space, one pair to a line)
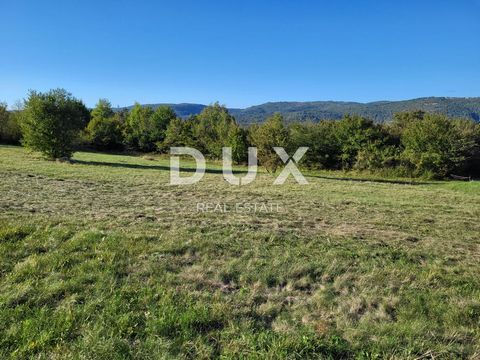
414, 144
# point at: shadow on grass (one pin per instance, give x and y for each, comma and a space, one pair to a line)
240, 172
150, 167
382, 181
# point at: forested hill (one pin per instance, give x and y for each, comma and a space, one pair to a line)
379, 111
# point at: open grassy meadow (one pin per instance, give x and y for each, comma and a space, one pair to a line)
102, 258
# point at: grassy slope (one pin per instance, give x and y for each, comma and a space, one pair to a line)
102, 258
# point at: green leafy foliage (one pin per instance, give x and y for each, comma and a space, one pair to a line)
436, 146
146, 127
51, 122
237, 140
179, 133
401, 121
377, 158
470, 131
320, 138
102, 110
265, 137
354, 134
213, 129
210, 131
9, 127
104, 131
416, 143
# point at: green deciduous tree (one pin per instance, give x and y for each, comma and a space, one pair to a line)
402, 120
160, 120
436, 146
355, 133
51, 122
137, 128
102, 110
210, 131
104, 130
272, 133
237, 140
145, 127
179, 133
213, 129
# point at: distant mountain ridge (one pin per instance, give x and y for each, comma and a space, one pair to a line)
379, 111
182, 110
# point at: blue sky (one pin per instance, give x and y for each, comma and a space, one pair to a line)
240, 53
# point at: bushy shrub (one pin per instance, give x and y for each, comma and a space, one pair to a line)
51, 122
105, 133
435, 146
374, 157
320, 138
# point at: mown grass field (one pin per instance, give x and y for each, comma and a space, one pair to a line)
102, 258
